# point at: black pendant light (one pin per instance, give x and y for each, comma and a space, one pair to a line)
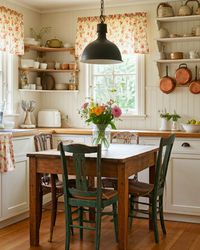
101, 51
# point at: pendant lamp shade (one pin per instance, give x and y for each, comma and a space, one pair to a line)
101, 51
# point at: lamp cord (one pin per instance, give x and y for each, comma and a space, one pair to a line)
102, 17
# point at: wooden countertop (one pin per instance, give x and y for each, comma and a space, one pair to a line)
85, 131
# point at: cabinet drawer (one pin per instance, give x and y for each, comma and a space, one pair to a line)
185, 146
22, 145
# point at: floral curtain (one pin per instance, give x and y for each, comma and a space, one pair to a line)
127, 31
11, 31
7, 160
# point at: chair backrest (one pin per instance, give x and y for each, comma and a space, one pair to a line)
43, 142
162, 163
82, 188
125, 137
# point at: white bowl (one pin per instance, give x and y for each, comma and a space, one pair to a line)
27, 63
61, 86
43, 65
191, 128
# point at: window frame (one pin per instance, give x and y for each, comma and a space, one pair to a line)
140, 87
7, 81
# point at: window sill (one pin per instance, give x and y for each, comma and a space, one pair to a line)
10, 115
132, 116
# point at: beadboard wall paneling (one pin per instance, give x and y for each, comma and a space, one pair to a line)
64, 28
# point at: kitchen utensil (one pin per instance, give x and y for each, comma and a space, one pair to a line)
183, 75
193, 54
197, 12
163, 33
54, 43
176, 55
64, 66
43, 65
28, 107
197, 30
167, 83
185, 10
194, 86
36, 65
48, 82
164, 10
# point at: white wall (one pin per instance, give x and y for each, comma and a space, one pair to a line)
31, 19
64, 28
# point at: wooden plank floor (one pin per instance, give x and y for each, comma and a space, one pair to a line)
180, 236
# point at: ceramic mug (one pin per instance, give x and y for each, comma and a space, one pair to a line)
197, 31
193, 54
57, 65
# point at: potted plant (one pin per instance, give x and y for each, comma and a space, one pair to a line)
165, 118
175, 118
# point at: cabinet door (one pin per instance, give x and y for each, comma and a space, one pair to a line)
15, 184
183, 185
15, 190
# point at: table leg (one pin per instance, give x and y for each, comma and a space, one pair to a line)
34, 202
123, 208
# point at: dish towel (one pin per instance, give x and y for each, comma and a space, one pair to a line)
7, 160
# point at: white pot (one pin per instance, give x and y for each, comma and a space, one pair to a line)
165, 124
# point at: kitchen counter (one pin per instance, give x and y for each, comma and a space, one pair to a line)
87, 131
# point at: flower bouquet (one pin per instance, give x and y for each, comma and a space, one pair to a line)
101, 115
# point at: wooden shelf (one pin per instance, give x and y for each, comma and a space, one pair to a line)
179, 61
48, 91
178, 18
46, 49
179, 39
48, 70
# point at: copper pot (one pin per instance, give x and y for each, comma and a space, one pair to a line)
176, 55
183, 74
167, 83
194, 86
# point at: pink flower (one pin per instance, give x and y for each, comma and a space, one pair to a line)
116, 111
84, 106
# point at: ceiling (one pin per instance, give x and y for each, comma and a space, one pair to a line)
54, 5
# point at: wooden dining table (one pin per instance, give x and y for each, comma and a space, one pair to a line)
120, 161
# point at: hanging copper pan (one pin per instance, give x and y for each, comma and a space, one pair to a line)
194, 86
183, 74
167, 83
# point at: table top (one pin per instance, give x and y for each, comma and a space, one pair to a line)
115, 152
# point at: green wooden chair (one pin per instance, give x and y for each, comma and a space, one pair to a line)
82, 195
153, 191
123, 137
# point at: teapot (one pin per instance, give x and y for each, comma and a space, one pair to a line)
54, 43
185, 10
164, 10
163, 33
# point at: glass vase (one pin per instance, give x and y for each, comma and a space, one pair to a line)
101, 135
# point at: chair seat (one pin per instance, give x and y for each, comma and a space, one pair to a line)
59, 186
106, 195
137, 188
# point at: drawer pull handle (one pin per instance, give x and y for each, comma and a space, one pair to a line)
185, 145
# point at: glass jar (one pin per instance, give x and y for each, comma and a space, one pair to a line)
101, 135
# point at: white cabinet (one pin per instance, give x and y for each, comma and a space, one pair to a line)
183, 184
85, 139
15, 184
181, 201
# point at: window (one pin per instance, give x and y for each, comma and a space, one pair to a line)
123, 83
6, 75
